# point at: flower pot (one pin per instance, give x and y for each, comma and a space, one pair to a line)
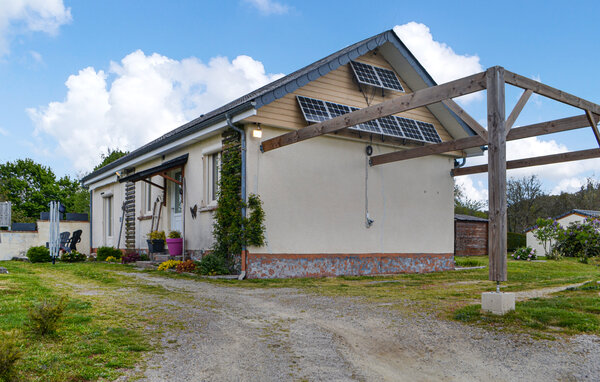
156, 245
175, 246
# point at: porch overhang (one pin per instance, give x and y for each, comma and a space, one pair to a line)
157, 170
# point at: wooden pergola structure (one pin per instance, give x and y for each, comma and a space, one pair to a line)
499, 130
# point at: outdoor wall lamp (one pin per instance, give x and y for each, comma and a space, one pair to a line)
257, 132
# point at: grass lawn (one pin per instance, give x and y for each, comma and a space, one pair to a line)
101, 333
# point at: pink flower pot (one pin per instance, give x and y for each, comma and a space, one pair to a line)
175, 246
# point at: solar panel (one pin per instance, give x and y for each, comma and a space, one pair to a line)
365, 73
314, 110
409, 128
389, 126
429, 132
389, 79
376, 76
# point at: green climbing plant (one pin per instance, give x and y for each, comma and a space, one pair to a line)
230, 231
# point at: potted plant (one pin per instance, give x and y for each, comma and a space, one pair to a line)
156, 241
175, 243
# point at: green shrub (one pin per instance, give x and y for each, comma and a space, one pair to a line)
72, 257
105, 252
39, 254
157, 235
580, 240
10, 353
524, 253
212, 264
174, 235
516, 240
144, 257
44, 317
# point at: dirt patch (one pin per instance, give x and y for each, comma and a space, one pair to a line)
233, 334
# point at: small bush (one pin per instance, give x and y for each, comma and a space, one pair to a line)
174, 235
515, 240
39, 254
213, 264
186, 266
524, 253
130, 258
144, 257
168, 265
111, 259
44, 317
580, 240
10, 353
104, 252
72, 257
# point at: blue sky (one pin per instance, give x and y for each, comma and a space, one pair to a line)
80, 76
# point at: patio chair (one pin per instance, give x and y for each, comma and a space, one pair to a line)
76, 238
64, 240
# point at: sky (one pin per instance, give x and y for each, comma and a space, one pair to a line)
80, 77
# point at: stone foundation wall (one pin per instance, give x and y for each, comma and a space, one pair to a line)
321, 265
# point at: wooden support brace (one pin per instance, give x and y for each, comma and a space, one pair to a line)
470, 121
550, 92
419, 98
164, 175
593, 123
549, 127
534, 161
152, 183
510, 121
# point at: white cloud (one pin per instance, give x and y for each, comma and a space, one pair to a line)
20, 16
148, 96
438, 58
473, 191
4, 132
269, 7
36, 56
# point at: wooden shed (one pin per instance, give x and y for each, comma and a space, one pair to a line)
470, 236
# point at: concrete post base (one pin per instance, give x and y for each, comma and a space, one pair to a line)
497, 302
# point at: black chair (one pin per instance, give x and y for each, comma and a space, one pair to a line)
64, 241
76, 238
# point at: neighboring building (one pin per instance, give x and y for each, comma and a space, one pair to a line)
315, 194
573, 216
470, 236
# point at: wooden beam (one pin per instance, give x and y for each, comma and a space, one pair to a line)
534, 161
510, 121
164, 175
470, 121
550, 127
593, 122
419, 98
152, 183
497, 229
550, 92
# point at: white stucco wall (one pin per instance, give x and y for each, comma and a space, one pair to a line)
563, 222
314, 199
17, 243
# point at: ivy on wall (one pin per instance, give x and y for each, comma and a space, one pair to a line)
230, 230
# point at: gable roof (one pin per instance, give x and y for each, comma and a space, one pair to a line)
399, 58
469, 218
586, 213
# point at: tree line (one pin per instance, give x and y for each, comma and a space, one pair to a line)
527, 201
31, 186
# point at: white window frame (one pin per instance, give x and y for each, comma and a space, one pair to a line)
208, 158
147, 206
108, 214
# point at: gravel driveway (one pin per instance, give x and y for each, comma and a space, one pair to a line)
243, 334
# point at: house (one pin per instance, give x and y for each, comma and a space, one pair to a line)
470, 235
327, 212
573, 216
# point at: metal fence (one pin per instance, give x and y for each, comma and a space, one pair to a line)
5, 214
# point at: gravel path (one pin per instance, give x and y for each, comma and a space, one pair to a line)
239, 334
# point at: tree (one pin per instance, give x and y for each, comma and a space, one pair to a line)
30, 187
521, 196
465, 206
110, 156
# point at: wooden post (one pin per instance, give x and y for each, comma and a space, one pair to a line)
497, 174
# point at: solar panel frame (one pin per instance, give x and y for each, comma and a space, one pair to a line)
429, 132
365, 73
390, 127
409, 128
388, 79
314, 110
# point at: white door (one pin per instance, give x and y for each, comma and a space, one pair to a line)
176, 204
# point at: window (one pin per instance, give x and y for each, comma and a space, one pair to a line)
148, 196
213, 170
108, 216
